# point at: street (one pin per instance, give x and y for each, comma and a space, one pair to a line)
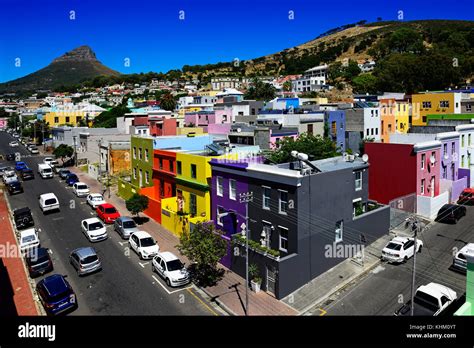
388, 286
125, 285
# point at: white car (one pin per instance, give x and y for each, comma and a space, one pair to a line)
28, 239
80, 189
171, 269
459, 260
13, 143
48, 160
95, 199
143, 244
400, 249
54, 164
48, 202
9, 177
94, 229
34, 150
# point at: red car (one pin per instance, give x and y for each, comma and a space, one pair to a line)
107, 213
467, 196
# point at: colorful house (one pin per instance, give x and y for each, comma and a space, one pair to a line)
388, 123
400, 170
425, 104
336, 125
58, 118
466, 148
402, 115
468, 307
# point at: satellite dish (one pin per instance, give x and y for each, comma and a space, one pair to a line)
302, 156
365, 158
239, 130
432, 159
294, 153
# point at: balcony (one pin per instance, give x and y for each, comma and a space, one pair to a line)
256, 247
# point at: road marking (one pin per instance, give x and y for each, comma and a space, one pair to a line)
58, 218
122, 243
323, 312
202, 302
164, 287
143, 264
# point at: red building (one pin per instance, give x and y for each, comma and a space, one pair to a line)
160, 125
164, 182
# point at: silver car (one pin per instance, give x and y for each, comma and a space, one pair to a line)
125, 226
85, 260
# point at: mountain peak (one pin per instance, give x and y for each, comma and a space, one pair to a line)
81, 53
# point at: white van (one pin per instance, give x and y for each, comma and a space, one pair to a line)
45, 170
48, 202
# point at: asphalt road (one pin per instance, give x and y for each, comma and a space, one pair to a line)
126, 285
384, 289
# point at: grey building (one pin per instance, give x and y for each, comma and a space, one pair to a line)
266, 136
65, 135
315, 214
88, 145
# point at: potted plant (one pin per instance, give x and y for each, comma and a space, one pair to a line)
255, 279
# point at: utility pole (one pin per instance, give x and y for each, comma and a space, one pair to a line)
75, 150
42, 139
415, 227
100, 166
246, 197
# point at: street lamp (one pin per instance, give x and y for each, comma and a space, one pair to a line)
75, 150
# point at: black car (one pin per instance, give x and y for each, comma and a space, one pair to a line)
23, 218
27, 174
451, 213
14, 187
38, 262
10, 156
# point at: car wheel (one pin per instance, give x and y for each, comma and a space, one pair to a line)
405, 259
455, 221
141, 256
419, 248
168, 282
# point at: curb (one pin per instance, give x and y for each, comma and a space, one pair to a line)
217, 301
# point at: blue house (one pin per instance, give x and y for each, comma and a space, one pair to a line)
336, 126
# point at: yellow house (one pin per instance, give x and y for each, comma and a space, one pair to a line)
190, 108
432, 103
60, 118
402, 116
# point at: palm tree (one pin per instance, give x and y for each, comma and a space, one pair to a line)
167, 102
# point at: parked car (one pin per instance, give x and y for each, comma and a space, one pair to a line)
466, 196
48, 202
451, 213
19, 166
143, 244
34, 150
9, 177
38, 262
54, 164
48, 160
45, 171
71, 179
459, 260
95, 199
107, 213
80, 189
94, 229
400, 249
63, 173
168, 266
430, 300
85, 261
56, 294
14, 187
13, 144
125, 226
4, 169
10, 156
23, 218
27, 174
28, 239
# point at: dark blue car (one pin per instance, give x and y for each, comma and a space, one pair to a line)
19, 166
72, 179
56, 294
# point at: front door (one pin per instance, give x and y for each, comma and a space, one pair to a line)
271, 279
432, 186
140, 178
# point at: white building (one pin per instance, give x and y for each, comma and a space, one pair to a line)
372, 123
312, 80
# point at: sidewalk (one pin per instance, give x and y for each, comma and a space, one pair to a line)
229, 293
16, 296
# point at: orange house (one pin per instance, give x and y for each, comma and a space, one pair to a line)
387, 119
164, 182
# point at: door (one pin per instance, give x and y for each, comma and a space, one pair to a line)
140, 178
271, 279
432, 186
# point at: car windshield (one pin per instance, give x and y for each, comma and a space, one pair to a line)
89, 259
28, 239
82, 187
129, 224
394, 246
95, 226
50, 201
28, 171
110, 210
47, 170
174, 265
146, 242
65, 172
427, 301
97, 198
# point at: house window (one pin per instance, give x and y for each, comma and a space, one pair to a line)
162, 188
134, 173
178, 167
367, 132
462, 161
192, 204
423, 159
67, 119
147, 177
266, 191
171, 165
160, 163
376, 131
445, 149
422, 190
452, 172
140, 153
372, 131
283, 202
462, 140
220, 211
468, 107
220, 186
358, 181
445, 172
433, 154
339, 231
146, 155
134, 152
453, 148
193, 171
426, 105
232, 190
444, 104
283, 239
469, 140
56, 120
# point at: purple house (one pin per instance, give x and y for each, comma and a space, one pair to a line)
229, 180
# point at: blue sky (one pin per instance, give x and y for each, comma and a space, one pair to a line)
153, 37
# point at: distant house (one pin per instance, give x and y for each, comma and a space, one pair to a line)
313, 79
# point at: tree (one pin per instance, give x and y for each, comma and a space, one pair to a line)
287, 86
136, 204
204, 247
351, 70
260, 91
108, 119
63, 151
315, 146
167, 102
365, 83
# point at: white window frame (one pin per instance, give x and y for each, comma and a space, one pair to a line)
280, 211
234, 195
134, 152
423, 159
422, 188
135, 173
358, 187
219, 186
281, 238
264, 197
339, 232
220, 210
146, 155
147, 177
